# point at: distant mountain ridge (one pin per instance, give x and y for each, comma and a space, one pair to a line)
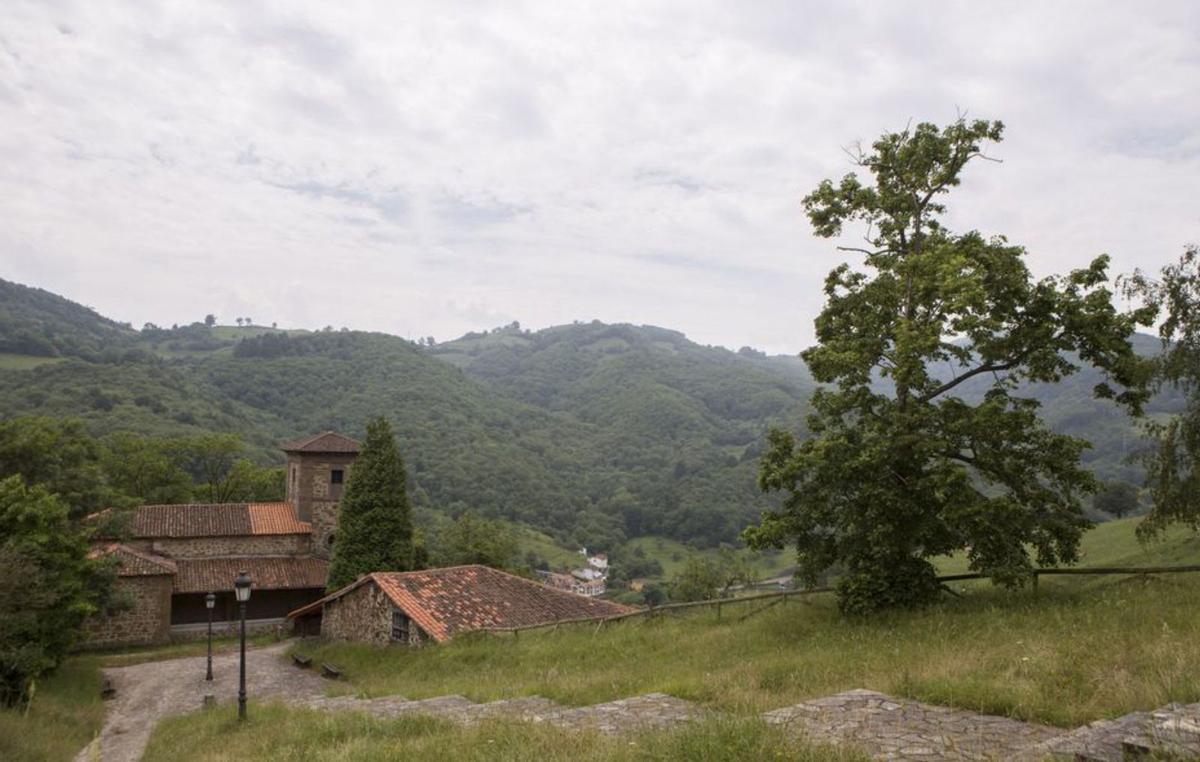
591, 431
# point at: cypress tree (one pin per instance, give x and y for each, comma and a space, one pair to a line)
374, 520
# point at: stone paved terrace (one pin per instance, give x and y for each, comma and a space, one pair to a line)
899, 729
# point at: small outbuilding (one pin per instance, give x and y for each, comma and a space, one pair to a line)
437, 604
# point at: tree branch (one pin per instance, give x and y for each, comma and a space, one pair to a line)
985, 368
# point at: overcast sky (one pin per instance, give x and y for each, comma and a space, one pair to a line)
429, 169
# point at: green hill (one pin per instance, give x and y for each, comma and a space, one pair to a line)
591, 432
37, 323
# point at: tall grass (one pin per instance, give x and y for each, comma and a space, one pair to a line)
1069, 656
64, 715
274, 732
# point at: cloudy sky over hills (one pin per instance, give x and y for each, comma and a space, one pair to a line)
429, 169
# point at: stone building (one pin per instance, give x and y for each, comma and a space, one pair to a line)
436, 604
174, 555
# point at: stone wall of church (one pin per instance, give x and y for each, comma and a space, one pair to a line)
216, 547
146, 621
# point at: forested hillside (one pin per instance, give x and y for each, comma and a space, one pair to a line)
592, 432
612, 431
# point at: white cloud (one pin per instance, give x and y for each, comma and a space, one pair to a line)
427, 169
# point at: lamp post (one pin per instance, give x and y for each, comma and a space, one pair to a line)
210, 601
241, 588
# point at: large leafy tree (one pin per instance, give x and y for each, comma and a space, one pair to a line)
900, 467
1173, 462
375, 530
48, 585
62, 457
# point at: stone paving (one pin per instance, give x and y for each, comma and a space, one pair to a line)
146, 693
1172, 732
885, 728
899, 729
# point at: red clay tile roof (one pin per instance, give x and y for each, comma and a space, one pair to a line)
445, 602
267, 573
325, 442
134, 562
215, 520
275, 518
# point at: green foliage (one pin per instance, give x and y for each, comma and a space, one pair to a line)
704, 578
214, 461
375, 530
1117, 499
1173, 463
47, 585
592, 433
145, 468
894, 476
470, 539
37, 322
60, 456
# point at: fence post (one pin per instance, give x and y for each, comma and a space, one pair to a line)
718, 612
1035, 584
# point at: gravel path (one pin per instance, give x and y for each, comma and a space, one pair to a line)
148, 692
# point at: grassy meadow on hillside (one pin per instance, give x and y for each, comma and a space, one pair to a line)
1082, 649
1068, 657
673, 555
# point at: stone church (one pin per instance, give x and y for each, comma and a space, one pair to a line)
174, 555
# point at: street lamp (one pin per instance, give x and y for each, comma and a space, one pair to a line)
210, 600
241, 588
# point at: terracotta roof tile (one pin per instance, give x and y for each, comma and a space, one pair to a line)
134, 562
215, 520
445, 602
267, 573
275, 518
325, 442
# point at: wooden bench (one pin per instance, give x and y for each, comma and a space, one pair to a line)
330, 671
302, 661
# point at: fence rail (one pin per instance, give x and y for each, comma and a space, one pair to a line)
783, 596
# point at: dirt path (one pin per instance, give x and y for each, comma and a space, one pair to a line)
146, 693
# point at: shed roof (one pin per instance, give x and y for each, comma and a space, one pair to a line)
204, 575
444, 602
324, 442
133, 562
216, 520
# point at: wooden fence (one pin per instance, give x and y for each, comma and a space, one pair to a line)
782, 596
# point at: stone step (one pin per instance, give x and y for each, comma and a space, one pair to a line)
1099, 741
1172, 732
901, 729
652, 711
530, 708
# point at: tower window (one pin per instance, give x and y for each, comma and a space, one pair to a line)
335, 476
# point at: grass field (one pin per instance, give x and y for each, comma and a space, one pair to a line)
673, 555
66, 711
273, 732
1083, 649
544, 546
